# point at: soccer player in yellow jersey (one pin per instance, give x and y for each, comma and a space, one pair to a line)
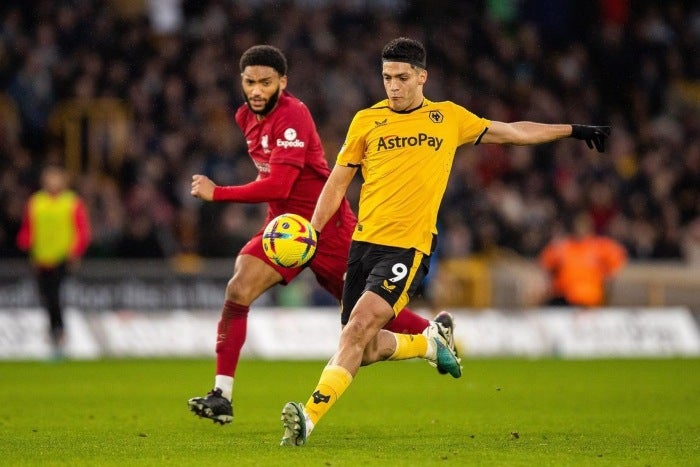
404, 146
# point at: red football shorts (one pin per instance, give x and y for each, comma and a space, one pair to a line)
331, 259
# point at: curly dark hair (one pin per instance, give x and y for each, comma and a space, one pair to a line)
264, 55
406, 50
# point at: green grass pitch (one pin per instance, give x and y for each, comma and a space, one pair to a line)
501, 412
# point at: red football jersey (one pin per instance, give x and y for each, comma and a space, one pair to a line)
287, 135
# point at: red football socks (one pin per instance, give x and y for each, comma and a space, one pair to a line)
231, 334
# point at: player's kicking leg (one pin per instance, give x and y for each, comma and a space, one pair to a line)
408, 322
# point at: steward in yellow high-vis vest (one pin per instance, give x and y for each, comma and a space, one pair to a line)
55, 231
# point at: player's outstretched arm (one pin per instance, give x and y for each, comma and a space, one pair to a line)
526, 133
332, 195
276, 186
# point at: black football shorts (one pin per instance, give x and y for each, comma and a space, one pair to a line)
393, 273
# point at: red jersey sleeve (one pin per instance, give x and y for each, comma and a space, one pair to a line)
276, 186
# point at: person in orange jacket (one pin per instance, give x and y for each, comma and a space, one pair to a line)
580, 263
55, 231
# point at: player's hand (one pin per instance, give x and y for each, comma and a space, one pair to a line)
592, 135
202, 187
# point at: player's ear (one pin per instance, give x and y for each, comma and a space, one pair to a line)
283, 82
422, 76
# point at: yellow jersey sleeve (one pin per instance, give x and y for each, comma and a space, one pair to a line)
353, 149
470, 127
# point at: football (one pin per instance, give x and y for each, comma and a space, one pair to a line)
289, 240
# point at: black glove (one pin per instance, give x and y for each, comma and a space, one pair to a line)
592, 135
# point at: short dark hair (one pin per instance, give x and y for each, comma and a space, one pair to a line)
264, 55
406, 50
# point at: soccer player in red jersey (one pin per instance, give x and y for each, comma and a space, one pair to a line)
292, 170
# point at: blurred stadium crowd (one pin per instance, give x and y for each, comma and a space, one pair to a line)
135, 96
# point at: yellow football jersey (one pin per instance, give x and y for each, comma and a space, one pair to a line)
406, 158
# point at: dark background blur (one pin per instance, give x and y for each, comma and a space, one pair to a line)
135, 96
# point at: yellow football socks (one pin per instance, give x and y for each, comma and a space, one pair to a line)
334, 381
410, 346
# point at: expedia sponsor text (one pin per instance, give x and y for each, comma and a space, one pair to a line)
290, 144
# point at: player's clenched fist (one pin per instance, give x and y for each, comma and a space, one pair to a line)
202, 187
